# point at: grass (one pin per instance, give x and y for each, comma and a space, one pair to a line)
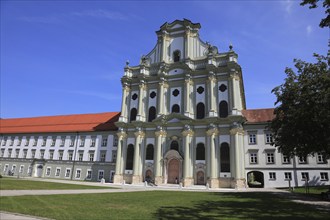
312, 189
22, 184
162, 205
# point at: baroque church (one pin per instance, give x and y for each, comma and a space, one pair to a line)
183, 120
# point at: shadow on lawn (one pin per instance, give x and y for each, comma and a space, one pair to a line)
247, 205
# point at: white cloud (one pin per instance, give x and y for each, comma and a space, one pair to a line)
287, 5
45, 20
100, 13
309, 29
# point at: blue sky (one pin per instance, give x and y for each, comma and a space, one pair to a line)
67, 57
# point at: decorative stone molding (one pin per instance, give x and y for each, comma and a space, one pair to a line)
122, 135
161, 133
212, 130
236, 128
187, 131
140, 134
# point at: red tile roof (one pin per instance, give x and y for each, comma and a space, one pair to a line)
63, 123
258, 115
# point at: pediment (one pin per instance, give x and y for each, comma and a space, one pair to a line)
172, 118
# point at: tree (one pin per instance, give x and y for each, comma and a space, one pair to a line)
302, 117
325, 22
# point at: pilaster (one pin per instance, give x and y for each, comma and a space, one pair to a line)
187, 98
142, 100
212, 81
137, 171
124, 105
118, 178
162, 97
213, 180
187, 133
160, 139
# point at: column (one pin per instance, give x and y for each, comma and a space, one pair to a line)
141, 111
137, 172
213, 180
234, 80
237, 156
160, 139
212, 98
188, 180
118, 178
125, 92
187, 99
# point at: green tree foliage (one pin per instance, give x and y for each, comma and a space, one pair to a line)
325, 22
302, 117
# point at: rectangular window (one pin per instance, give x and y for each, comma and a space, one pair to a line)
44, 141
115, 141
70, 155
11, 141
72, 140
2, 153
103, 155
252, 139
33, 154
51, 154
13, 168
42, 154
78, 174
25, 153
60, 155
104, 141
269, 138
9, 153
324, 176
287, 176
114, 156
58, 172
304, 176
67, 173
16, 153
272, 176
320, 158
91, 156
286, 159
302, 159
35, 141
29, 171
270, 158
21, 169
253, 158
53, 141
48, 171
101, 174
89, 174
4, 141
82, 141
19, 141
27, 141
93, 140
62, 141
5, 169
81, 156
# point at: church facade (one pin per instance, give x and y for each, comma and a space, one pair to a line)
183, 120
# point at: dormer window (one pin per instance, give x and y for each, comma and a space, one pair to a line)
176, 56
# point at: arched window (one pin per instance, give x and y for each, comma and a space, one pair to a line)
133, 114
152, 113
223, 108
176, 56
175, 145
224, 158
129, 157
176, 108
150, 152
200, 110
200, 151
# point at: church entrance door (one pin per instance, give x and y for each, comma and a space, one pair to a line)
173, 171
200, 178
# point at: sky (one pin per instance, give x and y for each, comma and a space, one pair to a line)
67, 57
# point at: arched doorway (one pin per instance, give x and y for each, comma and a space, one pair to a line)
200, 178
174, 145
255, 179
173, 171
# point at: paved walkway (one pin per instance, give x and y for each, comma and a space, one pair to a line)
16, 216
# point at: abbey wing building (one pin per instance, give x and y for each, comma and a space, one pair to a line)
183, 121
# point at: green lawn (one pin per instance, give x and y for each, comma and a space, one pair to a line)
22, 184
162, 205
312, 189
